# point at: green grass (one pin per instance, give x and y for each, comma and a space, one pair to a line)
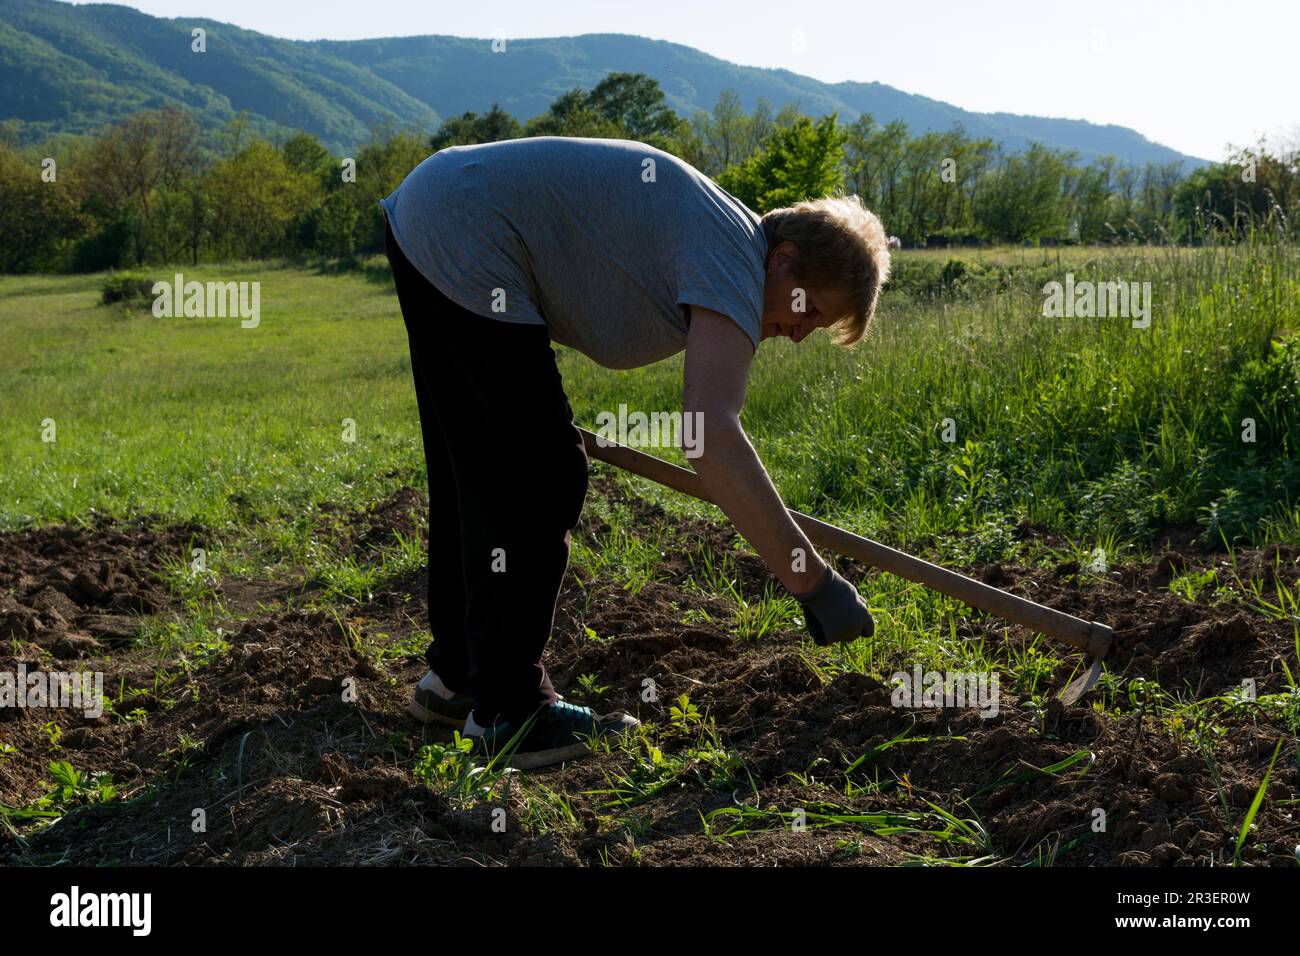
1088, 427
200, 418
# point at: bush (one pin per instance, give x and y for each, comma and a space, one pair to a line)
127, 288
1254, 479
963, 278
1125, 502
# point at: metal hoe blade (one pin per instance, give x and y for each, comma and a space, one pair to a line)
1081, 685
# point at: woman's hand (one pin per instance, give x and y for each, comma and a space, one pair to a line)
835, 612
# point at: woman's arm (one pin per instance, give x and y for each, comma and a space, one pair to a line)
718, 357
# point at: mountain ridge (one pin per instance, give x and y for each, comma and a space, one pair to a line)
71, 69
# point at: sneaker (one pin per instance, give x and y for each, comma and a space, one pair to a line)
435, 703
558, 732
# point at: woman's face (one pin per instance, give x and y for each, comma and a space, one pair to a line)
791, 310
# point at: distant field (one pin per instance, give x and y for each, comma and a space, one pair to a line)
1050, 255
200, 417
1084, 426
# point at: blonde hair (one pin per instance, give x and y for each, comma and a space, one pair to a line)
842, 246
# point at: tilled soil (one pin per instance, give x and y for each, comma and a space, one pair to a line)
294, 747
71, 591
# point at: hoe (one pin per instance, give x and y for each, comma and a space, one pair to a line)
1091, 637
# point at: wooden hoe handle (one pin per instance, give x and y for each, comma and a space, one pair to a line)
1089, 636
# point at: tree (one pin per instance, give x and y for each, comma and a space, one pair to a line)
728, 137
720, 132
39, 220
255, 195
925, 193
136, 158
874, 158
305, 154
336, 225
1123, 200
571, 116
636, 103
381, 167
470, 128
194, 215
1088, 200
1022, 197
622, 106
1159, 184
1255, 186
798, 162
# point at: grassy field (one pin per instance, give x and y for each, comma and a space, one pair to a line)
1087, 427
1082, 444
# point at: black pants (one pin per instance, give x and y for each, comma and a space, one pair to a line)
507, 478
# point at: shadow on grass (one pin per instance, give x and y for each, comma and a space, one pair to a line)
374, 269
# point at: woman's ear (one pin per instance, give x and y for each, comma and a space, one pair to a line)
781, 255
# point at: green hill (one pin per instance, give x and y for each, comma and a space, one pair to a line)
70, 68
67, 68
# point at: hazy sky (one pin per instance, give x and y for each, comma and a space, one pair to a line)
1193, 75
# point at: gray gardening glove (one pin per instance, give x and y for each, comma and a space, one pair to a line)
835, 612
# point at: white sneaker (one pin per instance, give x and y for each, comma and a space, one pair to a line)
435, 703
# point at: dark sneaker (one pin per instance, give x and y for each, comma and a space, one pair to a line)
556, 733
431, 705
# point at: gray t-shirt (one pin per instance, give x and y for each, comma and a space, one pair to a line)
605, 242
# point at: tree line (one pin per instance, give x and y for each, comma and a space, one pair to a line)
155, 188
